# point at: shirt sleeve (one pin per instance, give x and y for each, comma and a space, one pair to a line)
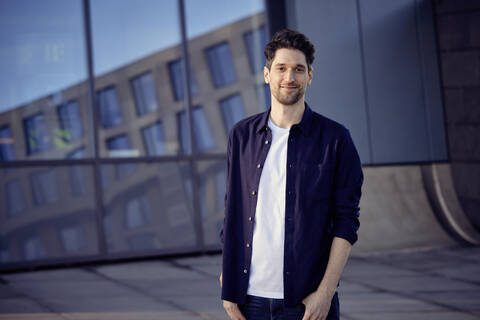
347, 190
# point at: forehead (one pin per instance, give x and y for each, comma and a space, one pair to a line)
289, 57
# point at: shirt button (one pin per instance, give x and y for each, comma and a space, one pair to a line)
259, 166
248, 245
250, 218
254, 192
266, 141
245, 271
288, 273
290, 165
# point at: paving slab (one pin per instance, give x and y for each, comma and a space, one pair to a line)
468, 301
415, 284
443, 315
382, 302
468, 273
20, 305
31, 316
109, 304
177, 288
72, 289
146, 270
347, 287
51, 275
359, 268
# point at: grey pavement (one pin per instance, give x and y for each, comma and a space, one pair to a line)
435, 284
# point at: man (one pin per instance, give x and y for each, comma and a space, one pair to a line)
291, 207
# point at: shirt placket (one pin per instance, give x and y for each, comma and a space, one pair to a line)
264, 145
289, 215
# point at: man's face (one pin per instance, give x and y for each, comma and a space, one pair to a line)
288, 76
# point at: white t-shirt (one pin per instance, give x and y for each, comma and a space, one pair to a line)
266, 270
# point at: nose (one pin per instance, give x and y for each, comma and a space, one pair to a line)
290, 75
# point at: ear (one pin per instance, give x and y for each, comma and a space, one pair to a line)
266, 75
310, 75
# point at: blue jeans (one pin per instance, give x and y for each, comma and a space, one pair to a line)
258, 308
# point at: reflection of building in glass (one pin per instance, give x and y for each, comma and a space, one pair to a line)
50, 212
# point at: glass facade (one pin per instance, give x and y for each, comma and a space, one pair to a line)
202, 133
176, 72
6, 144
232, 110
144, 91
70, 121
222, 69
109, 107
170, 203
154, 139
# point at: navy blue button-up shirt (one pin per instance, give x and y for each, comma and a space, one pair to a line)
323, 188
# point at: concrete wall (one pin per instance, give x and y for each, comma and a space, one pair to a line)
458, 32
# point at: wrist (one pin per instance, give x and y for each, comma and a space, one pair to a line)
329, 290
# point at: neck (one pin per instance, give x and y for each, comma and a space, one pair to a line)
285, 116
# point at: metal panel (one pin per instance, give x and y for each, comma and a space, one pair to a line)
336, 91
394, 81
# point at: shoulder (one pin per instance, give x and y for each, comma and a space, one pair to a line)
248, 125
328, 126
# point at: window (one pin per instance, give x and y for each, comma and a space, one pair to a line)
70, 121
77, 173
264, 96
255, 41
137, 212
221, 65
232, 110
154, 139
110, 114
144, 91
202, 134
175, 69
36, 135
119, 146
144, 241
33, 248
44, 187
73, 239
6, 144
14, 196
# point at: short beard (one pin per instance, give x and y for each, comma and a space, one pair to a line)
289, 100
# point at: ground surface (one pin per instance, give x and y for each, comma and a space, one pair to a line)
437, 284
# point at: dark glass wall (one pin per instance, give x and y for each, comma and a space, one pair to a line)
376, 72
111, 173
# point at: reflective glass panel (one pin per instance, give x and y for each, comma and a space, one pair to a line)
175, 69
226, 52
6, 144
212, 198
221, 65
43, 93
41, 215
150, 210
201, 128
134, 44
144, 91
154, 139
232, 110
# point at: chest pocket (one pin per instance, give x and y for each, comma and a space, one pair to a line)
317, 181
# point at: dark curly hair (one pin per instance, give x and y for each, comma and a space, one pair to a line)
289, 39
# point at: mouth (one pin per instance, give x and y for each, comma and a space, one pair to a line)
289, 87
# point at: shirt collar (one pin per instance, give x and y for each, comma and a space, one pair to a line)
303, 126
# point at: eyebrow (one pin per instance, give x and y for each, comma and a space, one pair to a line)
284, 64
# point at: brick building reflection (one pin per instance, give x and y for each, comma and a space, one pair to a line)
49, 212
